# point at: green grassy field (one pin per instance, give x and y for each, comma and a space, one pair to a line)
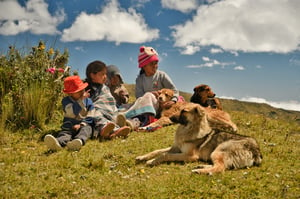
108, 169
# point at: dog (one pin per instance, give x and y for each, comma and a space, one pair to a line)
195, 140
218, 119
204, 96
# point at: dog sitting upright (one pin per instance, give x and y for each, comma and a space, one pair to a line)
196, 140
204, 96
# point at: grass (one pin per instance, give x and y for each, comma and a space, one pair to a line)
108, 169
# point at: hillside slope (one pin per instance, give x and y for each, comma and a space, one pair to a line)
241, 106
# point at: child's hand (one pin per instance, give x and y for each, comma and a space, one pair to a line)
76, 127
168, 104
155, 93
86, 94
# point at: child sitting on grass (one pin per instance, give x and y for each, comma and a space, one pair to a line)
108, 123
78, 119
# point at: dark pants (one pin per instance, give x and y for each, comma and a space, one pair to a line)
84, 133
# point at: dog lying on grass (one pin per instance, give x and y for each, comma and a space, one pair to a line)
195, 140
218, 119
204, 96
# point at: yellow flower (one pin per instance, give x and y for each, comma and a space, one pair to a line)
51, 51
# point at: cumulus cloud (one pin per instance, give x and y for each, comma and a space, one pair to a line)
287, 105
33, 17
209, 63
239, 68
182, 6
112, 24
247, 26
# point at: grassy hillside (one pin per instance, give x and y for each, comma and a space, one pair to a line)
108, 169
246, 107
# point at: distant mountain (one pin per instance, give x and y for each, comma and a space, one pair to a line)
241, 106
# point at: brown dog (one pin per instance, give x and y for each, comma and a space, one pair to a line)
164, 95
196, 140
218, 119
204, 96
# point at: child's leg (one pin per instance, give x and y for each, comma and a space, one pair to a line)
64, 137
84, 134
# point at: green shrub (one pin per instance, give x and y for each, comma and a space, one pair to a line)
30, 86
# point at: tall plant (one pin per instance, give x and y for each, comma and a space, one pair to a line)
31, 85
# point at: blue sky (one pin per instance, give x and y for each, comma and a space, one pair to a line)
244, 49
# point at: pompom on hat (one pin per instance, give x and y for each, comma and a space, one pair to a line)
147, 55
73, 84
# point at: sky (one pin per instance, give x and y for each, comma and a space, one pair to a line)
244, 49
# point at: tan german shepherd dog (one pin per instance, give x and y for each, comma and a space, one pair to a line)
195, 140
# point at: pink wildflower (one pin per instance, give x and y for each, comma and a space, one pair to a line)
51, 70
61, 70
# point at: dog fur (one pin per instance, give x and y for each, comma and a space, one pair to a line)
218, 119
204, 96
195, 140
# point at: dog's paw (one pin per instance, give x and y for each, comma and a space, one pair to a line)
152, 162
202, 166
140, 158
201, 171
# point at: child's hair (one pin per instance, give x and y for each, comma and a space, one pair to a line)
94, 67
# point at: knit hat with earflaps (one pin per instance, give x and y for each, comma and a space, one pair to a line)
147, 55
113, 70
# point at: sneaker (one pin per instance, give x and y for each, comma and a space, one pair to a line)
134, 123
52, 143
74, 145
107, 129
121, 132
121, 120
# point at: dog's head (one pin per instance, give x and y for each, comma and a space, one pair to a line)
190, 113
165, 95
201, 94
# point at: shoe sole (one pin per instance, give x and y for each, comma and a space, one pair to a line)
108, 128
52, 143
74, 145
121, 120
121, 132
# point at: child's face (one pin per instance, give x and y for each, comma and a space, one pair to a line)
115, 80
99, 77
151, 68
78, 95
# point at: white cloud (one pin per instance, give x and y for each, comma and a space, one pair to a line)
216, 50
112, 24
244, 25
182, 6
209, 63
295, 61
239, 68
205, 59
34, 17
288, 105
190, 50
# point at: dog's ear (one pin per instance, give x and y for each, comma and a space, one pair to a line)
199, 110
171, 93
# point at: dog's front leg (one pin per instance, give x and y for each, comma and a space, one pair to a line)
172, 157
152, 154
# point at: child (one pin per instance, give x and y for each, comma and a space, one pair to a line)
78, 117
149, 81
106, 112
116, 86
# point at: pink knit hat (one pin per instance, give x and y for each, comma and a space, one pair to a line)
147, 55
